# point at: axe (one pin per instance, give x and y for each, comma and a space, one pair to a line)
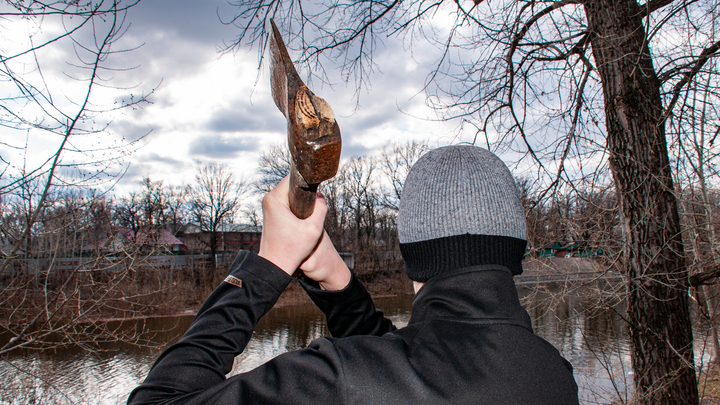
313, 134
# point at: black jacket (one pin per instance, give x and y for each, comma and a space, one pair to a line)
468, 342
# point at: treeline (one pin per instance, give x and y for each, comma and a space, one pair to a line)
362, 204
81, 221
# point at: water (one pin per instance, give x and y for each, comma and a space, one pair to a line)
580, 323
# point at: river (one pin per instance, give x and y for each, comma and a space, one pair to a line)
583, 323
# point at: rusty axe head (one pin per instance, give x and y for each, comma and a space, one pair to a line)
313, 134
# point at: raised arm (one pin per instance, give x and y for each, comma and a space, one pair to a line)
197, 364
343, 299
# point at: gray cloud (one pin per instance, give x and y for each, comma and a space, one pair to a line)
355, 150
148, 165
165, 160
176, 38
135, 172
222, 147
168, 38
190, 20
131, 130
370, 117
245, 118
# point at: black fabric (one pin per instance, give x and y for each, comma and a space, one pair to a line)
468, 342
349, 311
429, 258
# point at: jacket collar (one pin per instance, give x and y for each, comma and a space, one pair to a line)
479, 293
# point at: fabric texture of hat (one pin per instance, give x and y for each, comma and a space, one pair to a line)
460, 207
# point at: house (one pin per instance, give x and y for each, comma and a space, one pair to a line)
230, 237
155, 241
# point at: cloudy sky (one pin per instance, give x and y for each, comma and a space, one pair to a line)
213, 108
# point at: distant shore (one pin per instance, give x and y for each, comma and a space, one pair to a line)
536, 271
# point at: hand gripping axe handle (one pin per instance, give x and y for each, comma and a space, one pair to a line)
313, 134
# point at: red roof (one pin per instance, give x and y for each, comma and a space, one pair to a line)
159, 237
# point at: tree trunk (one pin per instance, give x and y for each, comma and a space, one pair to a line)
658, 314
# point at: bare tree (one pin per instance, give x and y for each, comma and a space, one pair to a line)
61, 77
129, 213
273, 165
64, 285
156, 206
176, 208
575, 86
214, 200
695, 131
33, 106
335, 219
360, 199
396, 161
585, 216
153, 203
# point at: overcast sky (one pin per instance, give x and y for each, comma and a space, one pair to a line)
210, 109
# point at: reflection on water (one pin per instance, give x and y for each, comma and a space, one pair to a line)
591, 336
584, 325
74, 375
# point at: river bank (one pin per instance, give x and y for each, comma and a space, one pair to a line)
536, 271
393, 282
145, 295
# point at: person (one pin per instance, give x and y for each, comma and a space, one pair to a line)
462, 235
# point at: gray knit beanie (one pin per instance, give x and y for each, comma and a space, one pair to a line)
460, 207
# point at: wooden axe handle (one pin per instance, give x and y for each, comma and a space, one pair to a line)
302, 195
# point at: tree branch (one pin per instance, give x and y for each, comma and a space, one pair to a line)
705, 55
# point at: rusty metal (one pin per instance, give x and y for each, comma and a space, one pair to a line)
313, 133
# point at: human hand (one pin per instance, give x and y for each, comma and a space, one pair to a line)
286, 240
326, 266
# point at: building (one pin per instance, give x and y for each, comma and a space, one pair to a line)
159, 241
230, 238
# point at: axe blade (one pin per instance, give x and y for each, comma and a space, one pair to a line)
313, 134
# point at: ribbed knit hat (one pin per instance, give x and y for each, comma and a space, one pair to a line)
460, 207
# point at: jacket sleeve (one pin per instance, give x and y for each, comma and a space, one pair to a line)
350, 311
193, 369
